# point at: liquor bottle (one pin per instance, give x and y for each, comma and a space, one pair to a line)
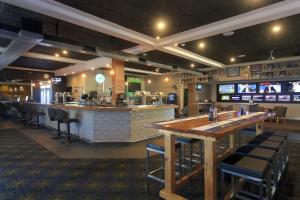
211, 114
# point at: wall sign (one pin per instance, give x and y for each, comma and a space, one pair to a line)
233, 71
100, 78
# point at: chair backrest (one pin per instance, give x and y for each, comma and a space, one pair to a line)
52, 113
280, 111
61, 114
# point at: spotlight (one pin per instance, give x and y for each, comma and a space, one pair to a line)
65, 52
56, 55
83, 75
149, 81
232, 59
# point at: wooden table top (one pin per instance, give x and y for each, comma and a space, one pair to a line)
227, 123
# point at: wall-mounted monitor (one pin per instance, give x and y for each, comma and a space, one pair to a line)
258, 97
267, 87
270, 97
285, 98
246, 98
226, 89
246, 88
296, 98
294, 86
225, 98
235, 98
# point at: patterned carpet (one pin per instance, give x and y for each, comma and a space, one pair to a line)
29, 171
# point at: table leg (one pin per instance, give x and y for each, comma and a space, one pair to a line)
231, 141
170, 158
259, 128
210, 170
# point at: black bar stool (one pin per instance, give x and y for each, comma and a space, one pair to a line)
52, 117
37, 114
63, 118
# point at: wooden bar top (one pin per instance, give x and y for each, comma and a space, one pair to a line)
200, 125
104, 108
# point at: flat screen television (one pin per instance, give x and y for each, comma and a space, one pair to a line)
132, 87
294, 86
225, 98
284, 98
270, 97
199, 87
235, 98
226, 89
246, 97
267, 87
296, 98
258, 97
245, 88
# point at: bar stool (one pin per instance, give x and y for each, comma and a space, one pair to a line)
63, 118
151, 175
52, 117
262, 153
254, 171
190, 144
37, 115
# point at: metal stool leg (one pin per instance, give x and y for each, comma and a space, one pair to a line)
69, 132
147, 172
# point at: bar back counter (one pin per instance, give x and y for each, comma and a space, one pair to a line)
109, 124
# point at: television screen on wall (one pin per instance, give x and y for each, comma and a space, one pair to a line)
294, 86
267, 87
258, 97
225, 98
270, 97
246, 97
236, 98
284, 98
226, 89
296, 98
246, 88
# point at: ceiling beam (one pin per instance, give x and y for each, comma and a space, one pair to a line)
22, 43
52, 58
28, 69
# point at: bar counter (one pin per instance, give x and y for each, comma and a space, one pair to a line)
110, 124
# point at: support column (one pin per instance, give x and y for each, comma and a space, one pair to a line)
180, 93
118, 79
193, 108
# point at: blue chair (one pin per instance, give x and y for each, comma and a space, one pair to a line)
253, 170
157, 174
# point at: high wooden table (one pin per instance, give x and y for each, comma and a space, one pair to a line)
200, 127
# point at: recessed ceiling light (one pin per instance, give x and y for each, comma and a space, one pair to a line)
161, 25
183, 44
83, 75
126, 83
241, 56
107, 65
201, 45
56, 55
157, 69
166, 79
144, 54
126, 60
92, 68
175, 44
65, 74
112, 72
157, 37
73, 72
232, 59
276, 29
149, 81
192, 65
229, 33
65, 52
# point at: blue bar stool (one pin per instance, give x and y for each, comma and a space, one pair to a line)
254, 171
158, 173
262, 153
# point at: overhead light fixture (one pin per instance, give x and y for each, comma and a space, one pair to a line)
192, 65
107, 65
65, 52
126, 83
126, 60
276, 29
232, 59
33, 84
41, 83
241, 56
229, 33
65, 74
112, 72
149, 81
161, 25
175, 44
166, 79
144, 54
56, 55
83, 75
49, 81
183, 44
157, 69
73, 72
157, 37
92, 68
201, 45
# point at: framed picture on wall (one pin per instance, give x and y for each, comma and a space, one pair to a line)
233, 71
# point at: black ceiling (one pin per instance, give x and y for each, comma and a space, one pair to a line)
12, 16
4, 42
39, 63
255, 42
71, 54
180, 15
168, 59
